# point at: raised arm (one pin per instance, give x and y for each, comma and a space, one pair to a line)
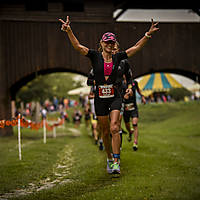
139, 45
128, 72
140, 93
74, 41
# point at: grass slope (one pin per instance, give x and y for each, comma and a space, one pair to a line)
166, 166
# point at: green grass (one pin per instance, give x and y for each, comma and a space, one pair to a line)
166, 166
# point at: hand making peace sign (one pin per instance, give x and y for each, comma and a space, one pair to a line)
153, 27
65, 25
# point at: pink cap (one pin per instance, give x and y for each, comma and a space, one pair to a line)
108, 37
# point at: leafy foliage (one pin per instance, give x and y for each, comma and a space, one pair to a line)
46, 86
178, 94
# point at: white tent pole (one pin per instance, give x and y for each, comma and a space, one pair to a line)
44, 131
54, 131
19, 138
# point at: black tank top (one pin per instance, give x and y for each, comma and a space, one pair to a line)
97, 62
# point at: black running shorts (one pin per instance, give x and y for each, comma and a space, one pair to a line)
130, 114
104, 106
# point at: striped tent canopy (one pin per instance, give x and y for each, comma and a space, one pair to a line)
157, 82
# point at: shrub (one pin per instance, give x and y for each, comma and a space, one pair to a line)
178, 94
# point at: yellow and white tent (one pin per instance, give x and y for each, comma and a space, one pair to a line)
157, 82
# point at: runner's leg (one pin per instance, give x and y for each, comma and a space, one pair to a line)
127, 124
127, 116
120, 128
114, 129
128, 127
135, 121
105, 129
94, 131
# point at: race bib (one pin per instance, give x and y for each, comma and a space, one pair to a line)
106, 91
129, 106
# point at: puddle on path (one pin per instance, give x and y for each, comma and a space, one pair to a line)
60, 175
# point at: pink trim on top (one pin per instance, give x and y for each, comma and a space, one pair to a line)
108, 68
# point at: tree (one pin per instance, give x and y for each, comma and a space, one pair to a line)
178, 94
47, 86
35, 90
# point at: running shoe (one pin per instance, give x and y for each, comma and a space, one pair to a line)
135, 147
109, 166
116, 168
101, 146
95, 142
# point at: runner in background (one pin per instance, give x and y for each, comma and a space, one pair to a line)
131, 111
87, 112
44, 113
77, 115
96, 130
124, 72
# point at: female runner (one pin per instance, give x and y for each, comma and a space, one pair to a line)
107, 98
